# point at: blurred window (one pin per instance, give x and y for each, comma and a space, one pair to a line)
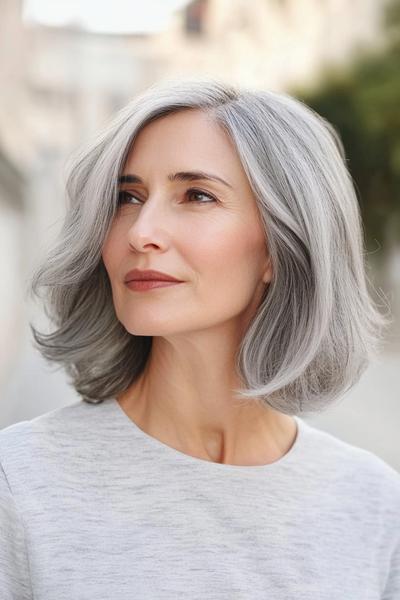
195, 14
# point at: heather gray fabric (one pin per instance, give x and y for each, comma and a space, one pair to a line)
93, 508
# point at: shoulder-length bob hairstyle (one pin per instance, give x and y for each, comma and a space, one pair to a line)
315, 329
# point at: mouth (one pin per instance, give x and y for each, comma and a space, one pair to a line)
148, 275
139, 285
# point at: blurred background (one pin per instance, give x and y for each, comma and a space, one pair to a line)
67, 66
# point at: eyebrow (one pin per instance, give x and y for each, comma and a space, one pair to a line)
180, 176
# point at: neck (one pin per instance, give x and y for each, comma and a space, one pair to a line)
175, 403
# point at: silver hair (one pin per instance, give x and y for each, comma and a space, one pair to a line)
316, 328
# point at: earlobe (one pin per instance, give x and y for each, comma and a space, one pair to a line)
268, 272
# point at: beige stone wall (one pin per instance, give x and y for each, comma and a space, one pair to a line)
273, 43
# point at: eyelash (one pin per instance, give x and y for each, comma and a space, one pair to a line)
122, 196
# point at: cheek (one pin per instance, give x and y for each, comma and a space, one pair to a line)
112, 250
229, 260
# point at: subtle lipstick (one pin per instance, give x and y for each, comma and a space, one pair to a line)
146, 280
141, 286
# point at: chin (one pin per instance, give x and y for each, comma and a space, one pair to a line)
149, 329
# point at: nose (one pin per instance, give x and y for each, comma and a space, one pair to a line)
148, 231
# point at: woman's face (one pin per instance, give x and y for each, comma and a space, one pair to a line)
205, 233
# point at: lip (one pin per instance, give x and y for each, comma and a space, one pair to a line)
148, 275
143, 285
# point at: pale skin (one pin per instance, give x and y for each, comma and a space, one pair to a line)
218, 248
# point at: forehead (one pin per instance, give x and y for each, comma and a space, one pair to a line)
185, 140
195, 123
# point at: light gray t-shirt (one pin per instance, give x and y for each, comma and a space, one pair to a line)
94, 508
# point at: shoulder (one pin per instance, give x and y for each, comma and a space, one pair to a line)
352, 469
72, 417
62, 418
47, 435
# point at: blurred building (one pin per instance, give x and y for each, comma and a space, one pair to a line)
272, 43
17, 152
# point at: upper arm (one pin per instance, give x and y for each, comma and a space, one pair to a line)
392, 587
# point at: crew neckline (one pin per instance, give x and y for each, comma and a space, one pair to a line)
156, 444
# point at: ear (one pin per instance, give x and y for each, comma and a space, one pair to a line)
267, 274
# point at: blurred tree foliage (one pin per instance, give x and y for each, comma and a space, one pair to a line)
363, 104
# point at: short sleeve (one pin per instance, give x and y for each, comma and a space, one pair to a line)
14, 569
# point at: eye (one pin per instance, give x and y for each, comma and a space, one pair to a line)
127, 197
200, 193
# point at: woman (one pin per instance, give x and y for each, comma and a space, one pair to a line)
186, 470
